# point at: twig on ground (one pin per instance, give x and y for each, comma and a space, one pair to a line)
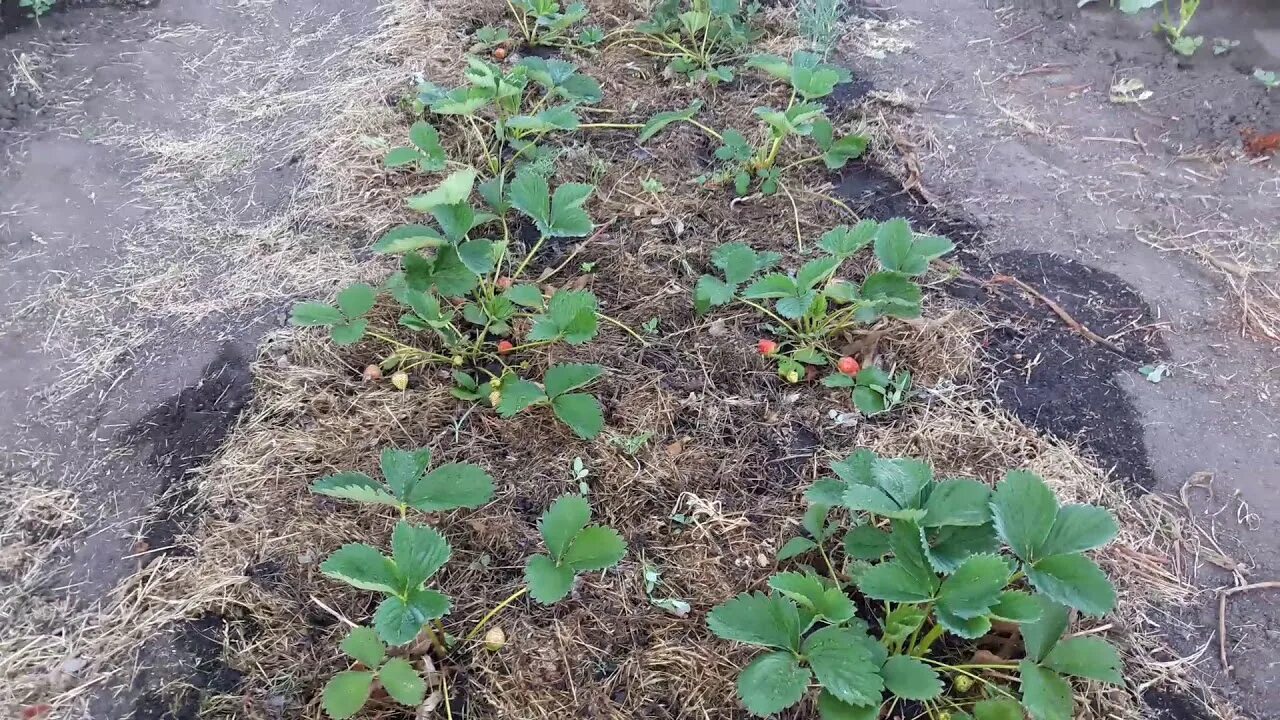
1058, 310
1222, 615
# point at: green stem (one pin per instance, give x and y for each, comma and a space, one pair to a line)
773, 315
705, 129
493, 613
934, 633
623, 325
621, 126
529, 256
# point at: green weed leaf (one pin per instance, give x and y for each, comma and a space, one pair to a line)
1086, 657
353, 486
910, 678
548, 582
418, 552
844, 664
1078, 528
361, 566
758, 619
346, 693
581, 412
1045, 695
1023, 508
363, 645
1074, 580
402, 682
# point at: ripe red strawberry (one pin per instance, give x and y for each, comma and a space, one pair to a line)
767, 346
505, 346
503, 283
848, 366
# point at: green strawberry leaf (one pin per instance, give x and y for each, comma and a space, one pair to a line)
844, 665
356, 300
405, 238
832, 708
451, 486
849, 147
518, 394
571, 315
348, 333
361, 566
776, 285
1041, 635
659, 122
402, 468
998, 710
710, 292
595, 548
560, 379
1086, 657
1074, 580
737, 261
958, 502
1078, 528
398, 622
843, 241
970, 628
901, 622
758, 619
562, 522
1045, 695
903, 479
974, 587
911, 679
525, 296
1016, 606
771, 683
811, 593
354, 486
866, 542
418, 552
894, 582
363, 645
402, 682
315, 314
454, 189
346, 693
1023, 509
401, 156
954, 544
796, 546
581, 412
548, 582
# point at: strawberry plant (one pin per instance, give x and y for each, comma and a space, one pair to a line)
408, 607
344, 319
348, 691
933, 558
545, 23
753, 161
875, 391
813, 306
700, 39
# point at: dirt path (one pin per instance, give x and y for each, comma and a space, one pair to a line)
1015, 128
150, 233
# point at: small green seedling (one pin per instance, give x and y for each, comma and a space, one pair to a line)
573, 547
813, 307
348, 691
1268, 78
544, 23
1173, 29
956, 557
409, 485
38, 8
875, 391
702, 40
345, 318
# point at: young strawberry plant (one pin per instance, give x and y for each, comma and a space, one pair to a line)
934, 558
545, 23
754, 161
700, 39
409, 608
875, 391
814, 306
348, 691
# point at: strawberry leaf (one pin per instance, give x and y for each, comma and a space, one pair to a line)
1086, 657
561, 379
346, 693
571, 316
1016, 606
958, 502
974, 587
1078, 528
659, 122
581, 412
1041, 635
451, 486
548, 582
832, 708
363, 645
356, 300
1023, 508
844, 665
595, 548
1074, 580
911, 679
1045, 695
710, 292
361, 566
810, 593
402, 682
315, 314
998, 710
402, 468
418, 552
758, 619
566, 517
518, 394
454, 189
405, 238
843, 241
771, 683
568, 219
354, 486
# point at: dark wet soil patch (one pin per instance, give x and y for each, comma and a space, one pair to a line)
181, 433
1169, 706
